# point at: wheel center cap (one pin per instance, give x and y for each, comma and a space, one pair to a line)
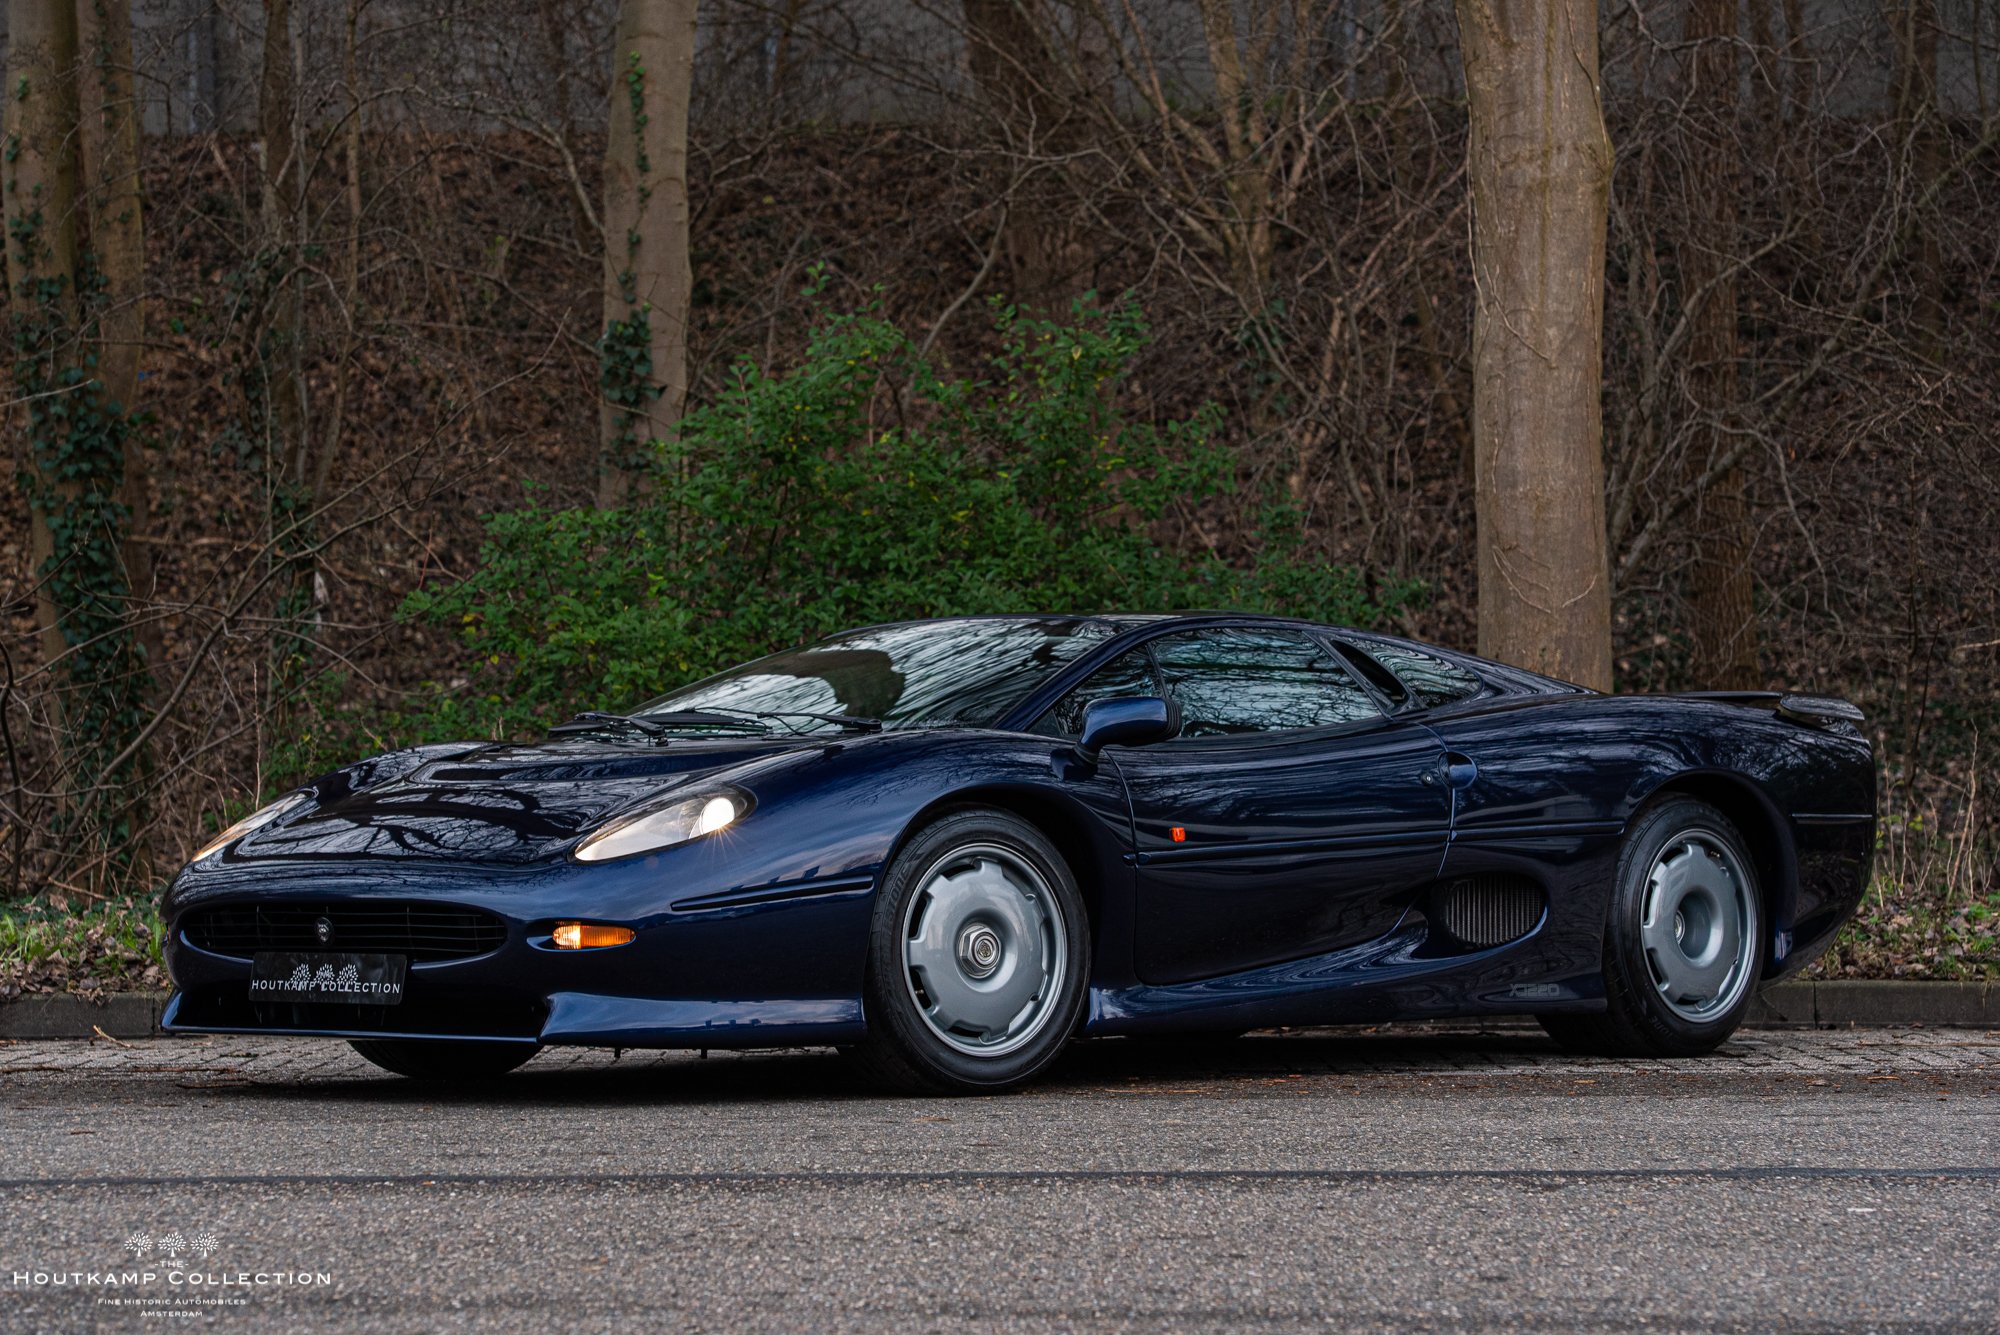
979, 951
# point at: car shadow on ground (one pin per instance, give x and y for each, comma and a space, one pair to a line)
1118, 1065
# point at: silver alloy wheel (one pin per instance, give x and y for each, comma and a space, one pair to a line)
985, 951
1699, 926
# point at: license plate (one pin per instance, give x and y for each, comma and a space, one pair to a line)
357, 980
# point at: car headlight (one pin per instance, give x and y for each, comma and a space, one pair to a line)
256, 820
689, 818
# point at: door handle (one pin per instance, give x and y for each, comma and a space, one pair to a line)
1459, 770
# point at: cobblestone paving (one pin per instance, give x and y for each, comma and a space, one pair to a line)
1411, 1051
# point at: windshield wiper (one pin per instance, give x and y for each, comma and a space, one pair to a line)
853, 721
653, 725
596, 720
696, 718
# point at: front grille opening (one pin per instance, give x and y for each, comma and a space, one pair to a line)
423, 932
1481, 912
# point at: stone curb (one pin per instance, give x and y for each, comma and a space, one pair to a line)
1862, 1003
66, 1015
1840, 1003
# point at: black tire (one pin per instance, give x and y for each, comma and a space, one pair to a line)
444, 1059
1639, 1019
907, 1052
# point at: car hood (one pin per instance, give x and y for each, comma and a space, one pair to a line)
503, 803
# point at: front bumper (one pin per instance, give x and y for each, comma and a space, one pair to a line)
765, 967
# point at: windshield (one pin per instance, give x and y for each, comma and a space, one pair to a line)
924, 674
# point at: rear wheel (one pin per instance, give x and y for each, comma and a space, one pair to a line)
977, 958
1685, 941
425, 1059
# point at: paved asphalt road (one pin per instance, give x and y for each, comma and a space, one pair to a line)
1441, 1180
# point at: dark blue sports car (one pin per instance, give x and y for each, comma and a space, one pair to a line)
952, 846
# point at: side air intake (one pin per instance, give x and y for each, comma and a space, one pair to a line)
1480, 912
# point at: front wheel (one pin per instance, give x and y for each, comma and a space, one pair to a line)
977, 960
425, 1059
1685, 940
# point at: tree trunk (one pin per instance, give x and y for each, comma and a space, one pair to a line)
1007, 51
292, 466
109, 125
648, 279
1765, 80
284, 375
1406, 123
1721, 612
71, 449
558, 19
1917, 130
40, 191
1540, 167
1240, 99
1800, 77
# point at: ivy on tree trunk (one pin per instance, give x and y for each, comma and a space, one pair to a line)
648, 277
74, 435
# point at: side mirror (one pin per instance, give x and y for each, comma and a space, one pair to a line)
1126, 720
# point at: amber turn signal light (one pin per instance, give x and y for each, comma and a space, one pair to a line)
589, 936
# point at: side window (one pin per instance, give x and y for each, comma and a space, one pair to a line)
1130, 674
1229, 682
1431, 680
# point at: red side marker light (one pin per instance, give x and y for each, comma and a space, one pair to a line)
1178, 834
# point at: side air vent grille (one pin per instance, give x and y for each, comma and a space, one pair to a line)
1481, 912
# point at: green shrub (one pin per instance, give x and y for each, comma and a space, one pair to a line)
859, 486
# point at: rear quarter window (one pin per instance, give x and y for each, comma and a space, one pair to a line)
1431, 680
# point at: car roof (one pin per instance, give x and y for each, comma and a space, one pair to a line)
1128, 626
1120, 620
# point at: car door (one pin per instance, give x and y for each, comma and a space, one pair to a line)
1534, 820
1290, 818
1529, 777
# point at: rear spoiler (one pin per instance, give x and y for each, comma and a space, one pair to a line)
1819, 711
1815, 711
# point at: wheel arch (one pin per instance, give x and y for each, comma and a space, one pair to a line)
1757, 818
1066, 823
